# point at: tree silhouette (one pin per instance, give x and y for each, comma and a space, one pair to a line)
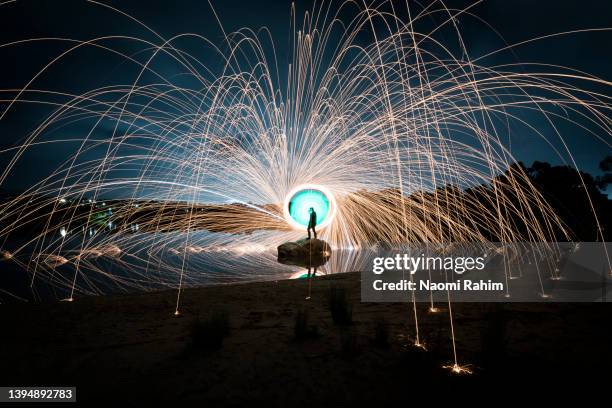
576, 197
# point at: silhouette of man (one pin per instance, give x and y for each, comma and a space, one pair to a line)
312, 223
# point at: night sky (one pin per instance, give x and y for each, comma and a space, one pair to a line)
516, 21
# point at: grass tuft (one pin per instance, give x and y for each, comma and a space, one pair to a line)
381, 333
208, 333
302, 330
339, 306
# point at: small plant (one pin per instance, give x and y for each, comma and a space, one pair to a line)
302, 330
494, 336
341, 310
348, 341
381, 333
208, 333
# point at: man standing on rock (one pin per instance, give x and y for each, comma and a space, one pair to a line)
312, 223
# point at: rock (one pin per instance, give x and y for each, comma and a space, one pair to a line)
305, 252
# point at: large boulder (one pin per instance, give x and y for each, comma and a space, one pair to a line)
305, 252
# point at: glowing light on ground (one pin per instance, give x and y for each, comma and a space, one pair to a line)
458, 369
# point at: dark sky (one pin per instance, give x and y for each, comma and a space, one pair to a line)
516, 21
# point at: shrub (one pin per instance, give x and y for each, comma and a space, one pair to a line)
208, 333
341, 310
493, 336
348, 341
302, 330
381, 333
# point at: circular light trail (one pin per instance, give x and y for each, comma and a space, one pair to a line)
301, 199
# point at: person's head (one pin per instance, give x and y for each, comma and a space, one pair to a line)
311, 210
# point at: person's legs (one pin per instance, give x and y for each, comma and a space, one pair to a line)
309, 232
315, 231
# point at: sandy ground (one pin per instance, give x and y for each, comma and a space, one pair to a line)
131, 349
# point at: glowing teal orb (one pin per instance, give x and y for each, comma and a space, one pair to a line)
302, 200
